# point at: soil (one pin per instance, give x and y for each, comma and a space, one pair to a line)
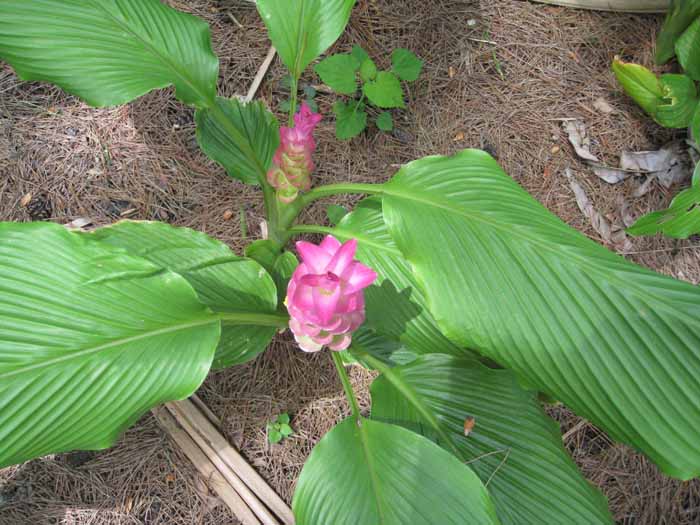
499, 75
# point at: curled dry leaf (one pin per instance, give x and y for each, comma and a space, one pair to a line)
602, 105
25, 200
578, 137
610, 232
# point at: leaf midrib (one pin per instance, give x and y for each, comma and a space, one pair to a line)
586, 263
371, 469
149, 47
111, 344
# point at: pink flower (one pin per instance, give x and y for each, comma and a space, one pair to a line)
292, 164
325, 297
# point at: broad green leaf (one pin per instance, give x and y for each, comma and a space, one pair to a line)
688, 49
368, 70
302, 30
90, 339
359, 54
349, 120
514, 446
369, 472
223, 281
396, 305
616, 342
263, 251
681, 14
109, 52
335, 213
695, 125
338, 73
680, 220
384, 91
389, 350
640, 84
282, 271
385, 122
680, 101
405, 64
240, 136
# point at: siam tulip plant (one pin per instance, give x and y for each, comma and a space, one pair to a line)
468, 297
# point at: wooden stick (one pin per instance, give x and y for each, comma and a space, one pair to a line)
205, 467
260, 75
206, 411
214, 456
186, 411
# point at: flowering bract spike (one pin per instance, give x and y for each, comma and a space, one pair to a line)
325, 296
292, 164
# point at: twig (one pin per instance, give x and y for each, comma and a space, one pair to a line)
235, 20
260, 75
578, 426
505, 458
207, 435
205, 467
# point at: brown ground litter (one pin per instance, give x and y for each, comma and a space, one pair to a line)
497, 76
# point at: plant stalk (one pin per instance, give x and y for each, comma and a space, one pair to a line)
347, 387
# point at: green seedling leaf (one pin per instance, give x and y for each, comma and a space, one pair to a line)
335, 213
338, 73
406, 65
274, 435
368, 70
285, 106
385, 91
283, 418
680, 101
286, 430
385, 122
350, 121
309, 91
640, 84
680, 220
359, 53
312, 104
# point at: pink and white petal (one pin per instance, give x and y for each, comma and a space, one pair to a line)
324, 339
341, 343
330, 244
303, 298
307, 344
325, 303
360, 277
343, 258
314, 257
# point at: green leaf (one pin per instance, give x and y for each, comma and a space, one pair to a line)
514, 446
302, 30
313, 106
681, 14
335, 213
309, 91
109, 52
379, 474
406, 64
385, 122
274, 435
349, 121
283, 418
223, 281
688, 49
282, 271
388, 350
263, 251
90, 339
338, 73
695, 125
396, 305
368, 70
286, 430
359, 54
385, 91
242, 137
680, 101
680, 220
640, 84
616, 342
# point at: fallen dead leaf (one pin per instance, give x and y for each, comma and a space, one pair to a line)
25, 200
576, 130
602, 105
610, 233
469, 425
228, 214
458, 137
555, 150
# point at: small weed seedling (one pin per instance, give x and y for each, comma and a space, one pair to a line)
381, 88
279, 428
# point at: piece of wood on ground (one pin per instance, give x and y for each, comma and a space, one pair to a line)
246, 481
260, 75
206, 468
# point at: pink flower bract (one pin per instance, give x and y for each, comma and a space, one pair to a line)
325, 297
292, 163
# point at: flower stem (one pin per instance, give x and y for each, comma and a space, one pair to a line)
294, 87
334, 189
345, 380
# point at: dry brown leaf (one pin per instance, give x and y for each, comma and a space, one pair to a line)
576, 130
26, 200
458, 137
228, 214
602, 105
469, 425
